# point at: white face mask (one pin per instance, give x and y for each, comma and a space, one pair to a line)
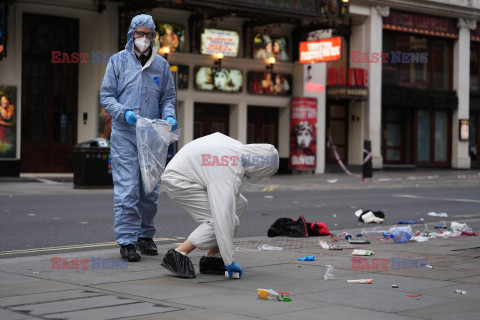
142, 44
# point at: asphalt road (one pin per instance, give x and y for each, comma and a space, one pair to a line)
81, 219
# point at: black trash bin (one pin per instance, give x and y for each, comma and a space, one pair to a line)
92, 165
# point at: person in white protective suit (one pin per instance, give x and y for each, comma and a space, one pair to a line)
205, 177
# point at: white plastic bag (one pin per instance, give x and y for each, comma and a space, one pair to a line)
153, 139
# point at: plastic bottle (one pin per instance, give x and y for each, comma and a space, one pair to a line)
400, 236
329, 272
269, 294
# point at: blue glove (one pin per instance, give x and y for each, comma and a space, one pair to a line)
173, 121
231, 268
131, 117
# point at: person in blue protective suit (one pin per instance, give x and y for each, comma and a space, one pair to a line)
137, 82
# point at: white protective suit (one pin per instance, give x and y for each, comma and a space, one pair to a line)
205, 177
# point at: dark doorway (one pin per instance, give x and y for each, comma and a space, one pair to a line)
262, 125
210, 118
474, 138
337, 128
49, 94
395, 135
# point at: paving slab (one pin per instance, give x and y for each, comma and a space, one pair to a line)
46, 297
25, 288
245, 303
116, 312
10, 315
337, 312
195, 314
363, 296
452, 310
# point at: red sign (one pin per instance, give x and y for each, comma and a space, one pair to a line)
353, 77
421, 23
303, 133
314, 87
320, 50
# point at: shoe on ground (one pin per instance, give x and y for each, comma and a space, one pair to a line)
129, 253
147, 246
178, 264
212, 265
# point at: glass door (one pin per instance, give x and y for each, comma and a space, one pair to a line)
433, 136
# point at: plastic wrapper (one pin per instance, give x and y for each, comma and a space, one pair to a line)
329, 272
153, 139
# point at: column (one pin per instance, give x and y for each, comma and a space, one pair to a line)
461, 84
238, 121
373, 113
185, 121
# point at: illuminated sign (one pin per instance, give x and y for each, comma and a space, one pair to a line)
214, 41
320, 50
314, 87
212, 79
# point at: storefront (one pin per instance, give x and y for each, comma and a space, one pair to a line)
474, 119
417, 96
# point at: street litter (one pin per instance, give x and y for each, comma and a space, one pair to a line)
329, 272
332, 180
434, 214
460, 291
414, 295
407, 222
153, 139
267, 247
400, 236
235, 275
327, 246
358, 252
360, 281
394, 285
269, 294
297, 228
358, 241
420, 238
369, 216
307, 258
268, 197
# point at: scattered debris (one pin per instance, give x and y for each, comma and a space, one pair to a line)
434, 214
414, 295
460, 291
360, 281
307, 258
369, 216
329, 272
358, 252
394, 285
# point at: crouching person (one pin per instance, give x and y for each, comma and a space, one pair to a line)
205, 177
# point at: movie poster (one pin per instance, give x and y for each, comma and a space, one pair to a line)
269, 83
182, 77
8, 122
303, 133
213, 79
266, 46
170, 35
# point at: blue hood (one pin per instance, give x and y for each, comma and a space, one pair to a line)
142, 20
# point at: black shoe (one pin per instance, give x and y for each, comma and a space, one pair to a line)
147, 246
178, 264
212, 265
128, 252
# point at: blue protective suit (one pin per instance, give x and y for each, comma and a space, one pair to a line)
129, 86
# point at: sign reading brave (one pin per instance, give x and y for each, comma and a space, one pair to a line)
320, 50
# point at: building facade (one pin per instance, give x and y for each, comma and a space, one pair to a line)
412, 104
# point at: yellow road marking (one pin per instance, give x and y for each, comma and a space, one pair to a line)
270, 188
71, 247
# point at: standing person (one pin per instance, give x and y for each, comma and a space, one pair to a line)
136, 79
205, 177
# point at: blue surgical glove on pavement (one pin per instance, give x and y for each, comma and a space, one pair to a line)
173, 121
231, 268
131, 117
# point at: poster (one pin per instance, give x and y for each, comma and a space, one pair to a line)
214, 41
8, 122
320, 50
213, 79
170, 35
303, 133
265, 46
182, 77
269, 83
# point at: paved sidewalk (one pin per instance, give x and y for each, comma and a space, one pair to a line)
31, 289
